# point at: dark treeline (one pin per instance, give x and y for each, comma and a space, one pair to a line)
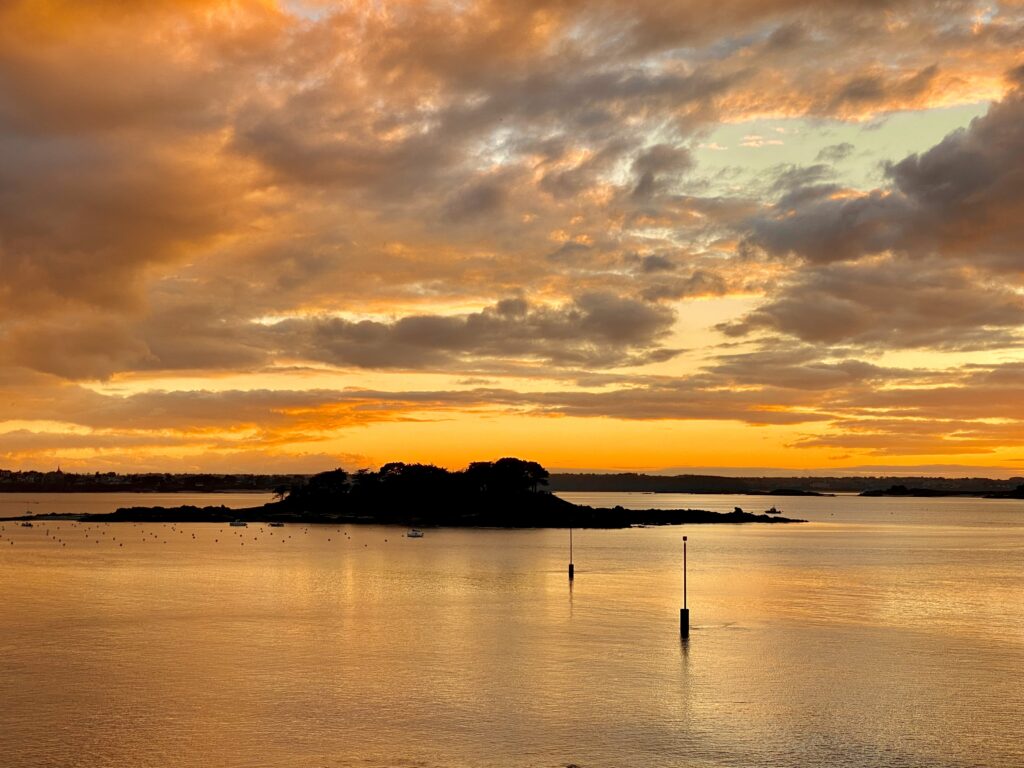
143, 482
505, 492
904, 490
166, 482
639, 483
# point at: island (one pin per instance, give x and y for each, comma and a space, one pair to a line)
903, 490
507, 493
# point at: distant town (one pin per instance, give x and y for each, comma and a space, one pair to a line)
147, 482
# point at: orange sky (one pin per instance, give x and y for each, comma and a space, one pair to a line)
253, 235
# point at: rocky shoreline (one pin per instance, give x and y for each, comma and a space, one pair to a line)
569, 515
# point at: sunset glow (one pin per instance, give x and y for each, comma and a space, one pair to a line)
248, 235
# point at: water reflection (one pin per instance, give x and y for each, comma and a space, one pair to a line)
825, 644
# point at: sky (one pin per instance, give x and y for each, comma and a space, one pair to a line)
259, 235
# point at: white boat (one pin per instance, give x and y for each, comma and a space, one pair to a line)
238, 523
414, 533
276, 524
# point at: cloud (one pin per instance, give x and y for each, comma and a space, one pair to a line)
476, 200
756, 141
890, 303
789, 367
874, 88
656, 263
92, 348
850, 404
595, 330
108, 142
963, 197
835, 153
228, 187
658, 164
251, 419
699, 283
930, 261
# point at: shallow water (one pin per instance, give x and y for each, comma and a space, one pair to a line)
887, 632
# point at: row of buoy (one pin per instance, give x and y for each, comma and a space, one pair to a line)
150, 536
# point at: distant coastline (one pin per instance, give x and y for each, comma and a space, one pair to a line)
280, 483
629, 482
896, 491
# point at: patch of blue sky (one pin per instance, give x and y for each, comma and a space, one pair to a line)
742, 155
308, 10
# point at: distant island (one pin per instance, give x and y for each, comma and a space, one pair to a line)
507, 493
632, 482
903, 490
621, 482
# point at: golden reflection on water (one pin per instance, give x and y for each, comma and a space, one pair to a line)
860, 643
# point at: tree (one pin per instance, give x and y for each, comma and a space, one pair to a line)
333, 483
511, 475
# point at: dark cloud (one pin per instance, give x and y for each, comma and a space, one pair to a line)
91, 348
834, 153
476, 200
81, 222
655, 263
565, 177
597, 329
833, 228
791, 178
789, 367
108, 143
890, 303
874, 88
700, 282
949, 225
657, 166
963, 197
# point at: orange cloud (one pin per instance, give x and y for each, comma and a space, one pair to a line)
509, 190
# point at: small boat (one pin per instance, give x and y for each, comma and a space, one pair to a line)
238, 523
276, 524
414, 533
26, 524
773, 511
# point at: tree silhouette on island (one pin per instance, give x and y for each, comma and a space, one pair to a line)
507, 493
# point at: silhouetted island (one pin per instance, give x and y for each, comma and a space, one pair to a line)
903, 490
507, 493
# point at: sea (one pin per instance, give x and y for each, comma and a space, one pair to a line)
883, 632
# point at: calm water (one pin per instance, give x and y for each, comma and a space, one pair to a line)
887, 632
12, 504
